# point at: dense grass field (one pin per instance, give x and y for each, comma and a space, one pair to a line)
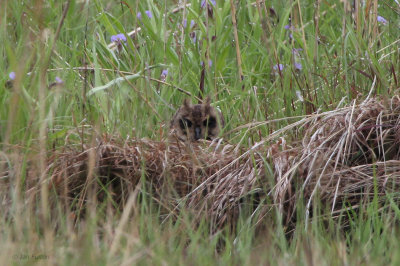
66, 66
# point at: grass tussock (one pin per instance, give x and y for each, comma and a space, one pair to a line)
347, 157
203, 176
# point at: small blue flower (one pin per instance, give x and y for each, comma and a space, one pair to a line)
192, 23
203, 3
59, 80
296, 51
291, 28
148, 13
164, 73
118, 38
298, 65
382, 20
12, 75
278, 66
139, 15
184, 23
210, 62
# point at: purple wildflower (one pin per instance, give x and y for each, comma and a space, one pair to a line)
210, 62
291, 28
184, 23
192, 23
278, 67
164, 73
382, 20
296, 51
148, 13
139, 15
12, 75
59, 80
203, 3
298, 65
118, 38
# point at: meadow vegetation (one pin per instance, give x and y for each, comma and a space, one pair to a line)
313, 84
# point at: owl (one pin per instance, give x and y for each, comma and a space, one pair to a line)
199, 121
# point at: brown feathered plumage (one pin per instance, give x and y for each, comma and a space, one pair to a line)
199, 121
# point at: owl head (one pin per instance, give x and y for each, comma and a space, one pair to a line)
198, 121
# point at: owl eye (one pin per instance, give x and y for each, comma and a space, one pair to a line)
211, 122
185, 123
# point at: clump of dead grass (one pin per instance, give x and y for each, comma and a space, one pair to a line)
340, 156
178, 174
346, 157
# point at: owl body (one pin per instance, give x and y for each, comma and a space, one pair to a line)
198, 121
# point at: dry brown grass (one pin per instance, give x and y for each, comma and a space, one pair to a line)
341, 154
204, 176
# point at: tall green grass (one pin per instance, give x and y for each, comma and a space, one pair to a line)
121, 91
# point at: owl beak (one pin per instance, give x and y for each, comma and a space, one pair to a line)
197, 133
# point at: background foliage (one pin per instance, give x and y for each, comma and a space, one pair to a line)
288, 60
